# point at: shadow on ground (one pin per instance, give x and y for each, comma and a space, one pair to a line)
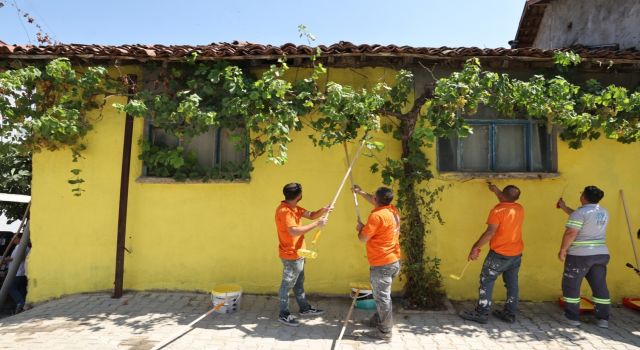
142, 320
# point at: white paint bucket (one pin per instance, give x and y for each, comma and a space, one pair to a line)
229, 294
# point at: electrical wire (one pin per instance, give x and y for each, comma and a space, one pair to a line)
53, 34
20, 20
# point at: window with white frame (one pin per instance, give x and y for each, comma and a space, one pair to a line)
499, 145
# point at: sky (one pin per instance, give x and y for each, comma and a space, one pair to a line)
419, 23
4, 227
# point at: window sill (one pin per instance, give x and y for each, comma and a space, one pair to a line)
172, 181
466, 176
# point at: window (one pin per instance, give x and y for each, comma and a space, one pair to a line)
215, 152
500, 145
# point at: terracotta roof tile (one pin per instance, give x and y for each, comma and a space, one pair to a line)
240, 50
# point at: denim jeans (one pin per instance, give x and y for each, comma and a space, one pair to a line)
381, 278
18, 290
594, 269
292, 277
494, 265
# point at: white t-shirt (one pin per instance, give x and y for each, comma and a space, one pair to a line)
591, 220
22, 271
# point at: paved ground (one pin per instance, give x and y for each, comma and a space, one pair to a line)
142, 320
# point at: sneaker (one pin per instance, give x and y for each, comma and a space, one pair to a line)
311, 312
602, 323
289, 320
378, 335
505, 315
571, 322
474, 316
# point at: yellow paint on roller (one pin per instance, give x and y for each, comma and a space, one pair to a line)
307, 254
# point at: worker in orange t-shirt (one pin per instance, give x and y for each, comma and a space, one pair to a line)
291, 237
381, 234
504, 235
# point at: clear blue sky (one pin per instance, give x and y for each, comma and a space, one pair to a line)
488, 23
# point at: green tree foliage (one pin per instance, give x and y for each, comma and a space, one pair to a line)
15, 177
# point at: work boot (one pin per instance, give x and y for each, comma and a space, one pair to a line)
377, 334
574, 323
602, 323
505, 316
373, 321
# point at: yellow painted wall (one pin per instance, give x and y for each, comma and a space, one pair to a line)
605, 163
190, 236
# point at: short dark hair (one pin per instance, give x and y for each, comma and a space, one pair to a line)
511, 193
291, 190
384, 195
592, 194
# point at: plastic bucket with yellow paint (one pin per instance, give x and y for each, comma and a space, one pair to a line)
364, 300
229, 294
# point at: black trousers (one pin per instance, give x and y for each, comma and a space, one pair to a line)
594, 269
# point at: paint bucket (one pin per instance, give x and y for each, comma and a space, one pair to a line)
229, 294
364, 300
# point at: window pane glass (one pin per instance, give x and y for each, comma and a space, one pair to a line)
483, 113
229, 151
474, 154
510, 148
537, 140
448, 153
160, 137
204, 146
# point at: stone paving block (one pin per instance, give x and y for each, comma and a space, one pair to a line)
140, 320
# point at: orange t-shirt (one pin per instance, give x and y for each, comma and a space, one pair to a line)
288, 216
383, 229
508, 238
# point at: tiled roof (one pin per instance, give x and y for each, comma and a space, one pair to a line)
532, 15
243, 50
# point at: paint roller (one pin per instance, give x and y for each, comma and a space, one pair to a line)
459, 277
633, 243
309, 253
561, 195
355, 196
633, 267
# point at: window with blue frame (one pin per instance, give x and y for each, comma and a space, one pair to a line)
212, 149
500, 145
